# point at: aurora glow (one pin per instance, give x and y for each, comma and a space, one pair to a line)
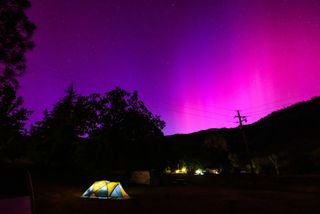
193, 62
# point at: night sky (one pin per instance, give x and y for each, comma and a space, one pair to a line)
193, 62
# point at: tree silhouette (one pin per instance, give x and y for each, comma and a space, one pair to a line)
57, 132
12, 117
15, 39
127, 132
115, 129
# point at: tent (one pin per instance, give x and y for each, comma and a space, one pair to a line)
105, 190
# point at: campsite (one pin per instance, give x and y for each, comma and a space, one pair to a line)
209, 194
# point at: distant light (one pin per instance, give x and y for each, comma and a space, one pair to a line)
183, 170
167, 171
214, 171
199, 172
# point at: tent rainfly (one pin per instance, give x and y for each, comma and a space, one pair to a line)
105, 190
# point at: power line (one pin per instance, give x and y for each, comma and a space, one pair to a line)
285, 101
203, 111
273, 108
192, 114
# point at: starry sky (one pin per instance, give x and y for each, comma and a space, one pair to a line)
193, 62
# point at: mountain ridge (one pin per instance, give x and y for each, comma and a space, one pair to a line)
292, 134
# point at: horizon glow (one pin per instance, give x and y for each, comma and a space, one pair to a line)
194, 63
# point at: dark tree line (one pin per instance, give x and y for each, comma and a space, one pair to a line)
12, 117
15, 39
114, 130
106, 131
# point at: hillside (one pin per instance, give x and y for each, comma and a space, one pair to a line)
291, 135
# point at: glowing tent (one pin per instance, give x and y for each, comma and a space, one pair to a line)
106, 190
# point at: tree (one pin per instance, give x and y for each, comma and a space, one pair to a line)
12, 120
115, 129
60, 128
15, 39
127, 132
217, 153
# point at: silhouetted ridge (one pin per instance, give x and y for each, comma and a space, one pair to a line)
290, 134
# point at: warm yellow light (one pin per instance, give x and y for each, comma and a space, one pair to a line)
184, 170
98, 185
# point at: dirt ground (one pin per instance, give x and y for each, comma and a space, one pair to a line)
291, 197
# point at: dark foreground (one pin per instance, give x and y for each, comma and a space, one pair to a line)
267, 196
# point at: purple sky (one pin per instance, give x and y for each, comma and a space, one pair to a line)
194, 62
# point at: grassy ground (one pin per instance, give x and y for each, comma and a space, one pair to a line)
207, 195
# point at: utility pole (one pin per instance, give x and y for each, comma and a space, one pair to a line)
244, 119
